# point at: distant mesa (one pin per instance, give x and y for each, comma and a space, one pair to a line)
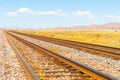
110, 26
106, 26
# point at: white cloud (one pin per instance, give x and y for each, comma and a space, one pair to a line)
19, 11
87, 14
29, 11
24, 10
11, 13
58, 12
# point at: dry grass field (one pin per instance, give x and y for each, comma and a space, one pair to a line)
102, 37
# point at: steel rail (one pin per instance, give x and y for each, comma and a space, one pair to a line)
30, 73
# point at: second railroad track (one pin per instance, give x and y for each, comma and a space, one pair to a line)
87, 47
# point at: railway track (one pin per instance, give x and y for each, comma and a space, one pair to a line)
12, 64
70, 69
28, 70
87, 47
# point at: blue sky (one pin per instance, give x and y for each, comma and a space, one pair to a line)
57, 13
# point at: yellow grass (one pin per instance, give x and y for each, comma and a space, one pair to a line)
102, 37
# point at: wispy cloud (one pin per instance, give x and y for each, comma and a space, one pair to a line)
24, 10
11, 14
112, 16
18, 12
87, 14
29, 11
58, 12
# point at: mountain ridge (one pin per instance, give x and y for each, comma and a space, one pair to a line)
94, 26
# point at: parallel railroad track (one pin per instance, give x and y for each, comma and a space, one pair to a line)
87, 47
76, 70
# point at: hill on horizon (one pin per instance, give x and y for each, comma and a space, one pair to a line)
94, 26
